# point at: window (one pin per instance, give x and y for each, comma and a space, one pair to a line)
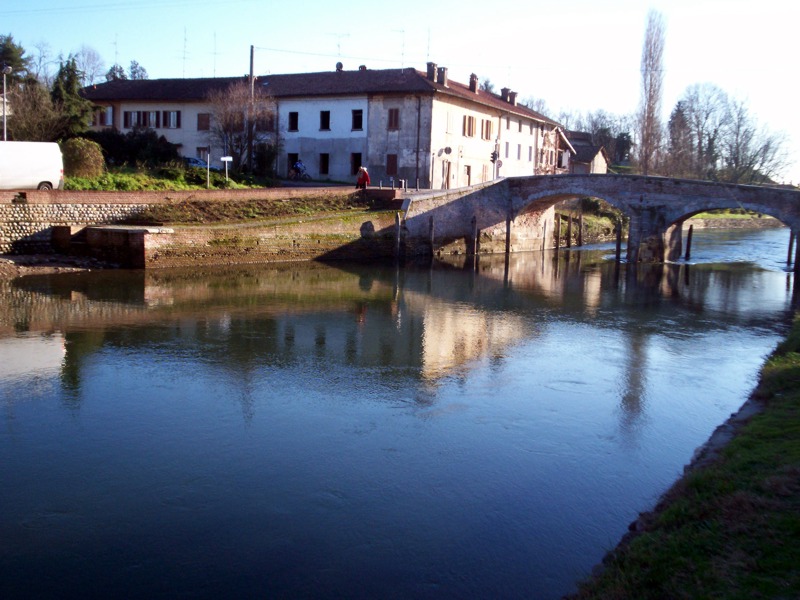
507, 149
203, 121
519, 151
391, 164
202, 153
104, 117
520, 126
355, 162
293, 121
324, 120
358, 122
469, 126
171, 119
324, 163
508, 122
394, 119
531, 128
530, 153
153, 120
486, 129
130, 119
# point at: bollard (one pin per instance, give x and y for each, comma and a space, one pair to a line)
791, 245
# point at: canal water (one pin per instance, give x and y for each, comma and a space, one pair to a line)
458, 429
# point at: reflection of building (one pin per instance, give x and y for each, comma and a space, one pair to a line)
399, 123
454, 335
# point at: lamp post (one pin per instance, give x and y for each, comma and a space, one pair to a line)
6, 71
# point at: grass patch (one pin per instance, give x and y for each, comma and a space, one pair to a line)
730, 529
195, 212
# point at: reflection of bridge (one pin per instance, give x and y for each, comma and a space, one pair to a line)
656, 206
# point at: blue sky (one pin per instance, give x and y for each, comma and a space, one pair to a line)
579, 56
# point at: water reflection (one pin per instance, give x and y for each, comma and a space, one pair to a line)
463, 428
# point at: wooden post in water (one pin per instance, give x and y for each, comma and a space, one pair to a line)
580, 229
544, 236
689, 242
619, 239
557, 231
791, 245
569, 230
508, 234
796, 263
474, 235
397, 235
431, 235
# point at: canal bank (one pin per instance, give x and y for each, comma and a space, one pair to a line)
729, 527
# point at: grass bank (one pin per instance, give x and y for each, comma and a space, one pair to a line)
730, 528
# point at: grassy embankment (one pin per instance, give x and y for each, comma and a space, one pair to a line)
729, 529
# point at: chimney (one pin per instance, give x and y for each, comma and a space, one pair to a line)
512, 97
504, 94
473, 83
432, 71
442, 76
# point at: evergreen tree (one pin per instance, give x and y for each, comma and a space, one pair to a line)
116, 72
13, 55
137, 71
66, 96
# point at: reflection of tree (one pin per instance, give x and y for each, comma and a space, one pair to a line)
634, 391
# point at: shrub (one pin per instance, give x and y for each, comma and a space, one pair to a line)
83, 158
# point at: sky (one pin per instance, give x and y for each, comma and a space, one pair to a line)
576, 56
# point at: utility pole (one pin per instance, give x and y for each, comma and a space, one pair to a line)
250, 106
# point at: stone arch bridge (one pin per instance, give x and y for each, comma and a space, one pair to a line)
656, 206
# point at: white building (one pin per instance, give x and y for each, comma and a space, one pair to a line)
402, 124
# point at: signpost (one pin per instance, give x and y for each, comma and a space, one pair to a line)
226, 160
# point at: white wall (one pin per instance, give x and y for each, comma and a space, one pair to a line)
309, 141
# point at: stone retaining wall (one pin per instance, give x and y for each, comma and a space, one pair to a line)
28, 219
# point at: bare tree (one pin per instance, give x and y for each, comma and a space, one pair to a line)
90, 64
537, 104
42, 63
649, 125
750, 154
707, 115
241, 118
36, 117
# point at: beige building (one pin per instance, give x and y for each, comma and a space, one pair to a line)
404, 125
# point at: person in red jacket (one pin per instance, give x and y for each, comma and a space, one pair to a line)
363, 178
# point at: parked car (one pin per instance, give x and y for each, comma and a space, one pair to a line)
191, 161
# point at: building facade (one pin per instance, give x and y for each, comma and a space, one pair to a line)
403, 125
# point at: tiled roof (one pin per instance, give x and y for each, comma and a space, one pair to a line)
586, 153
327, 83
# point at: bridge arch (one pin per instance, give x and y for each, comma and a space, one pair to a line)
656, 206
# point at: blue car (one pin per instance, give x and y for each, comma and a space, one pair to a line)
191, 161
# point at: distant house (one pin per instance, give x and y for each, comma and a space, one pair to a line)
588, 157
402, 124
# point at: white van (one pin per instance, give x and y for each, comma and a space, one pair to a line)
31, 166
